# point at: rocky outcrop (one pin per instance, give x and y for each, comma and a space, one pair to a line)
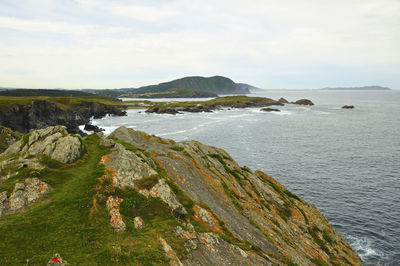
252, 206
269, 110
90, 127
348, 107
53, 142
23, 194
7, 137
186, 203
116, 219
303, 102
41, 114
283, 100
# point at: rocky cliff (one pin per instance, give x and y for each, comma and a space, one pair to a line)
41, 113
133, 198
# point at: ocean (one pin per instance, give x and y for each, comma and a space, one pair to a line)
345, 162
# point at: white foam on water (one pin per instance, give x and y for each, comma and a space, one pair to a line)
364, 247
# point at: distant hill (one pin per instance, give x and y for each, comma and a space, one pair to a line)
248, 86
367, 88
44, 92
216, 84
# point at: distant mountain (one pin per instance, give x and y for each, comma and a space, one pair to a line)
248, 86
43, 92
366, 88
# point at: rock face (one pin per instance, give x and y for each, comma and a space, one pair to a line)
251, 205
53, 142
347, 106
303, 102
7, 137
23, 194
41, 114
187, 203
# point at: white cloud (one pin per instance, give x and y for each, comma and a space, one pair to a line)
249, 41
56, 27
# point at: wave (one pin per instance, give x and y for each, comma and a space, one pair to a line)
364, 247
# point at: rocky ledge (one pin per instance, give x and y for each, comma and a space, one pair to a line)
152, 200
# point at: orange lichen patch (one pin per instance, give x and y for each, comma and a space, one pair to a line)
206, 217
154, 154
105, 159
206, 242
181, 180
171, 171
176, 157
297, 215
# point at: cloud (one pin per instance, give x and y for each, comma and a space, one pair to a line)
120, 44
37, 25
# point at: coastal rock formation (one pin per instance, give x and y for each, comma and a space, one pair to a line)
40, 114
53, 142
347, 106
283, 100
142, 199
23, 194
7, 137
303, 102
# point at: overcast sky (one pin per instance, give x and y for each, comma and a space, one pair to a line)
291, 44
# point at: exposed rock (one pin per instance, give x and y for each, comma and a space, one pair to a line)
35, 189
274, 221
67, 149
126, 167
170, 253
283, 100
53, 142
7, 137
3, 203
303, 102
138, 222
270, 110
104, 141
90, 127
116, 219
22, 195
56, 260
347, 106
42, 114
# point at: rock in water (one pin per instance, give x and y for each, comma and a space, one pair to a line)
283, 100
304, 102
347, 106
270, 110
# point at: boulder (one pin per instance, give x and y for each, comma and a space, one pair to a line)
347, 106
303, 102
3, 203
67, 149
90, 127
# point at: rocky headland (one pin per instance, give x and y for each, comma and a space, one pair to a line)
220, 103
133, 198
35, 114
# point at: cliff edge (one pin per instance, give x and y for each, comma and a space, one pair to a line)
133, 198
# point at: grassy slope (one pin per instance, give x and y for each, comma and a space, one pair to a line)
61, 222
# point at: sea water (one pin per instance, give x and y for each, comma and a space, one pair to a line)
345, 162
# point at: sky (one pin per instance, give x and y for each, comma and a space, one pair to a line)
280, 44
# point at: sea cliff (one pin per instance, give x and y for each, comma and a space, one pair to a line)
133, 198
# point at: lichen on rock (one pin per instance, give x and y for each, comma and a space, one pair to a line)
115, 216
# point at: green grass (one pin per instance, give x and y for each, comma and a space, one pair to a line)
319, 262
64, 222
177, 148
